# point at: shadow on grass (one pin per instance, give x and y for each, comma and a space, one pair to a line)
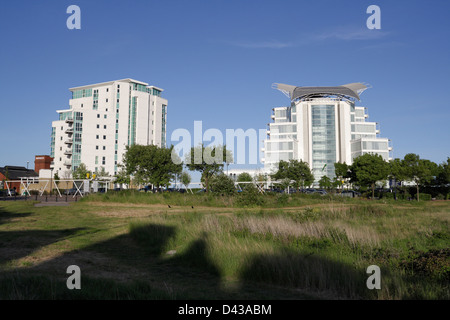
311, 273
136, 266
7, 216
17, 244
129, 266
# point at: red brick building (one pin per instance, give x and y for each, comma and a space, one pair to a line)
42, 162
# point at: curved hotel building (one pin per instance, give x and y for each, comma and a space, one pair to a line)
322, 126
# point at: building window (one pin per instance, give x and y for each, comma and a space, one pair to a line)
104, 137
98, 115
104, 126
96, 137
98, 126
96, 159
104, 147
104, 116
107, 89
103, 160
96, 147
106, 100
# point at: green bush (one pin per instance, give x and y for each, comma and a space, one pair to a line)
250, 197
282, 199
387, 195
222, 184
424, 196
434, 263
440, 196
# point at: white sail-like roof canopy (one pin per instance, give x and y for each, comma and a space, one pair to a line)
351, 90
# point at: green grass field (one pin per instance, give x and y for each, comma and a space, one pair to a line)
296, 247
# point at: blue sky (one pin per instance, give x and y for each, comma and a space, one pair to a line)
217, 60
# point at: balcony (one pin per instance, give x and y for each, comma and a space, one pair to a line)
68, 152
68, 163
69, 120
69, 130
68, 141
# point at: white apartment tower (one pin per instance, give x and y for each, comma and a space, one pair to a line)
102, 120
322, 126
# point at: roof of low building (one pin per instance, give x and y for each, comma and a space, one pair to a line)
15, 172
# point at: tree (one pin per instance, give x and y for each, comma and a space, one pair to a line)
341, 170
56, 178
67, 175
444, 172
207, 160
300, 172
282, 170
244, 177
296, 170
260, 179
222, 184
418, 170
81, 172
185, 179
285, 183
151, 164
396, 173
325, 182
122, 177
102, 173
367, 169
